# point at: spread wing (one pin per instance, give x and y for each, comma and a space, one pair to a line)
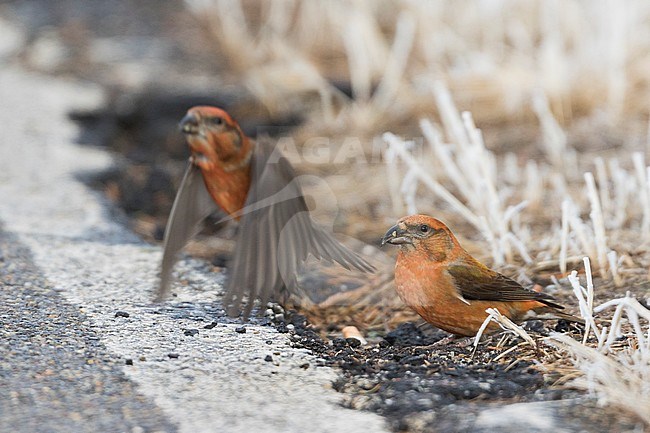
476, 284
276, 235
192, 205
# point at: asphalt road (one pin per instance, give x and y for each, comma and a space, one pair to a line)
81, 346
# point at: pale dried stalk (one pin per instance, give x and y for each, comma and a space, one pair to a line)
613, 267
621, 380
564, 237
534, 183
644, 191
554, 138
564, 51
396, 63
590, 295
227, 23
603, 186
634, 310
443, 153
450, 118
596, 216
506, 324
623, 186
397, 145
477, 180
477, 183
623, 376
584, 303
393, 179
409, 190
582, 232
361, 32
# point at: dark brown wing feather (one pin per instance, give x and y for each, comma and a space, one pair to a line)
192, 205
476, 284
276, 235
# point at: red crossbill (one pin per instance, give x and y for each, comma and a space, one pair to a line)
450, 289
251, 182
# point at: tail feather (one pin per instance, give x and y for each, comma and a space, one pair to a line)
549, 313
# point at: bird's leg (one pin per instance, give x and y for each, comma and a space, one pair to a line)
459, 341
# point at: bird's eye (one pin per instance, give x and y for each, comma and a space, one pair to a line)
424, 228
216, 120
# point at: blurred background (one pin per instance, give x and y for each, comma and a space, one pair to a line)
550, 90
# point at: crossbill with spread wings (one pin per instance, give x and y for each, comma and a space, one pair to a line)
249, 181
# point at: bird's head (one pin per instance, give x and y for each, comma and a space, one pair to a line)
214, 137
421, 233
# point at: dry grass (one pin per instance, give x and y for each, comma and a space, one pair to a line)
616, 366
555, 85
498, 57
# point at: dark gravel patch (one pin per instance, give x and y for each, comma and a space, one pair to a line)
55, 375
423, 388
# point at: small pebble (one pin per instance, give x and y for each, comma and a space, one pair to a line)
210, 325
268, 358
299, 320
279, 317
240, 330
122, 314
173, 355
562, 326
353, 332
191, 332
128, 362
485, 386
159, 232
304, 366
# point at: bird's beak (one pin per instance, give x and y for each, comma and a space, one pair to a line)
396, 236
189, 124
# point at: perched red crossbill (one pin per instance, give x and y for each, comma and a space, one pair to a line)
248, 181
450, 289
